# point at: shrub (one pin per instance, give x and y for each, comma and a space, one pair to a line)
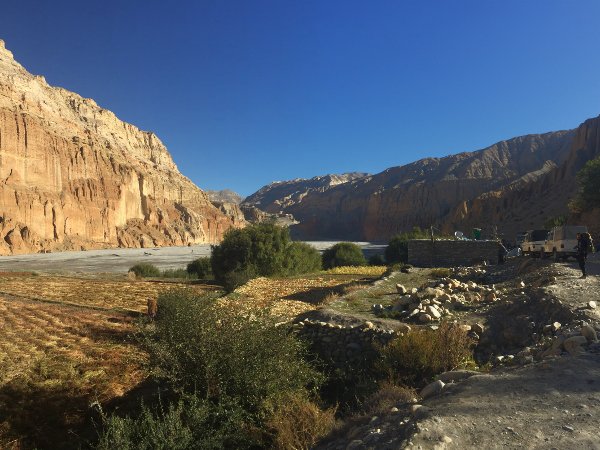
200, 267
145, 270
261, 249
343, 254
241, 381
299, 423
199, 346
419, 355
189, 423
301, 258
376, 260
589, 186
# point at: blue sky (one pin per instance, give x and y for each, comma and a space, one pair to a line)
250, 91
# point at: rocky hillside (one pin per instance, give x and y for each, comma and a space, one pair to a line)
224, 196
72, 176
528, 202
281, 195
427, 192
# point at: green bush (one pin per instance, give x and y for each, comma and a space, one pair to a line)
200, 267
416, 357
301, 258
200, 346
191, 422
261, 249
343, 254
397, 249
235, 375
376, 260
589, 186
145, 270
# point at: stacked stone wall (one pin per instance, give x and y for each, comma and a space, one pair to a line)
441, 253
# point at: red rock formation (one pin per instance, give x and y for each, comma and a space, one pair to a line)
72, 175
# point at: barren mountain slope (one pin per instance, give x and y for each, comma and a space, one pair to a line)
421, 193
72, 175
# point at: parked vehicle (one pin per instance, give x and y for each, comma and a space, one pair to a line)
534, 242
561, 241
521, 238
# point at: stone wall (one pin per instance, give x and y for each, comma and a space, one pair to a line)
440, 253
343, 346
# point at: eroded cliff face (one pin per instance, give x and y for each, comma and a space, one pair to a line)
74, 176
424, 193
531, 201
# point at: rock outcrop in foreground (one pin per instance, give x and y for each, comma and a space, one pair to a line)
74, 176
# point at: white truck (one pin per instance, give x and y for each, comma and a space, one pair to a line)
561, 241
534, 241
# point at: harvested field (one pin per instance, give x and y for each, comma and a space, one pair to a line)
54, 362
122, 293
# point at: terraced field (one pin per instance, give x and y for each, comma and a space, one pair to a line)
54, 361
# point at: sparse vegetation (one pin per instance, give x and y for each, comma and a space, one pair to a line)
418, 356
343, 254
441, 272
555, 221
145, 270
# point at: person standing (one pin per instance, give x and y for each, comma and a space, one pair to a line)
583, 243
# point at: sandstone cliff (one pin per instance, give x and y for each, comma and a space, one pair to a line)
74, 176
428, 192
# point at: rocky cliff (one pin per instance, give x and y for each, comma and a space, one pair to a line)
74, 176
432, 191
530, 201
280, 195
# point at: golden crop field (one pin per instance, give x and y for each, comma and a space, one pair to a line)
100, 293
54, 361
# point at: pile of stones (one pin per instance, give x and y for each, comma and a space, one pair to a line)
437, 300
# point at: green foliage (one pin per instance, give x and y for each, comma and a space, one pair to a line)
238, 378
145, 270
376, 260
440, 272
191, 422
589, 186
416, 357
397, 249
301, 258
200, 267
261, 249
555, 221
199, 346
343, 254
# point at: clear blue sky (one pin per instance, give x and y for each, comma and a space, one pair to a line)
249, 91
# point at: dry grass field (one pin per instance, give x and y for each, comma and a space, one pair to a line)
117, 293
55, 361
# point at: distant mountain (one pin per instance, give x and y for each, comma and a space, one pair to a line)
280, 195
225, 196
514, 184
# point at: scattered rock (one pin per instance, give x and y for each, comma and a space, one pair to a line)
574, 343
456, 375
592, 304
477, 328
589, 333
432, 389
401, 289
419, 411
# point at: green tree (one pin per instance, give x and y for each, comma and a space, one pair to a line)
343, 254
397, 249
263, 249
589, 186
